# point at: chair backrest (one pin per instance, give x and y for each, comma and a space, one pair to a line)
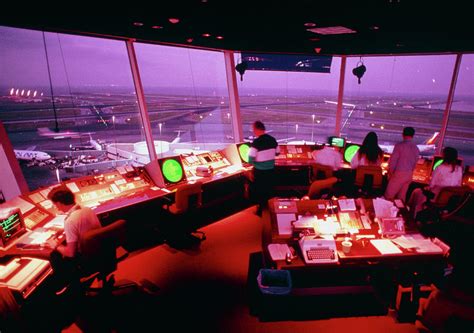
319, 186
320, 171
449, 193
188, 196
369, 177
98, 248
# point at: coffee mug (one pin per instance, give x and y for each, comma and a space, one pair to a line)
346, 246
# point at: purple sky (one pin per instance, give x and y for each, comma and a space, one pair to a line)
94, 61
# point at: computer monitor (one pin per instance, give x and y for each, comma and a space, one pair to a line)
172, 170
12, 225
438, 160
244, 149
349, 152
336, 141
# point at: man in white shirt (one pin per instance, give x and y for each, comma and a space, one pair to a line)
330, 156
78, 221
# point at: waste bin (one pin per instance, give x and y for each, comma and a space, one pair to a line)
274, 281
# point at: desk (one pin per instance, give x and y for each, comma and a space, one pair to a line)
355, 269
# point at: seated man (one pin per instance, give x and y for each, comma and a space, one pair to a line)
78, 221
330, 156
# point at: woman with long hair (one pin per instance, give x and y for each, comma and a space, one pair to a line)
369, 153
448, 173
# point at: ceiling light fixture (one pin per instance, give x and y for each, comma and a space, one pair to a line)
310, 24
138, 24
220, 37
189, 40
206, 35
173, 20
156, 27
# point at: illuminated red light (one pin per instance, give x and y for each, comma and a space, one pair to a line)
173, 20
206, 35
157, 27
220, 37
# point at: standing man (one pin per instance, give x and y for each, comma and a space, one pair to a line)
262, 156
401, 165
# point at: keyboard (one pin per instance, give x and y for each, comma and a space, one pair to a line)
322, 253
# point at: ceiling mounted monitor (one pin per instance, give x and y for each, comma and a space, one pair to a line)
287, 63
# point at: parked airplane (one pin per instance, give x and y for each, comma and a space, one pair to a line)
44, 131
427, 146
31, 155
93, 145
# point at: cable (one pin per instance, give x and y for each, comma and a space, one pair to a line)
50, 84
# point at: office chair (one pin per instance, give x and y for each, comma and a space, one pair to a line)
320, 171
449, 195
369, 180
321, 187
99, 257
188, 200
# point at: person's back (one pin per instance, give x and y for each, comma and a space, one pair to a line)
401, 165
369, 153
78, 222
262, 156
444, 175
361, 160
328, 156
263, 150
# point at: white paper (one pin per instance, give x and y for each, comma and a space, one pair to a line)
346, 204
56, 222
278, 251
73, 187
284, 223
384, 208
385, 246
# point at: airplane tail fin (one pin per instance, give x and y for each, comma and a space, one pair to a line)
178, 137
433, 140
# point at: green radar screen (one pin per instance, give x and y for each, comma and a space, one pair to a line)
172, 170
350, 152
437, 164
244, 152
